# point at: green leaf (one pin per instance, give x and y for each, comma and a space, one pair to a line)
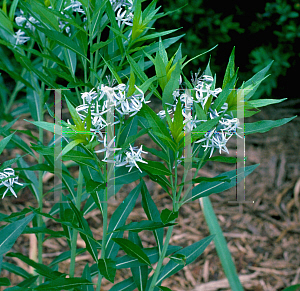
154, 168
153, 214
164, 288
111, 15
112, 70
140, 273
158, 127
207, 188
31, 177
11, 232
118, 219
40, 268
72, 225
128, 285
252, 84
5, 23
155, 35
15, 76
132, 250
27, 63
265, 125
222, 97
161, 72
43, 124
4, 142
162, 52
167, 215
122, 176
177, 125
12, 10
201, 115
221, 245
66, 255
222, 159
70, 146
205, 179
197, 57
46, 15
140, 74
172, 85
162, 181
292, 288
152, 253
75, 116
229, 70
63, 284
205, 127
16, 270
107, 268
4, 282
87, 275
263, 102
91, 246
64, 41
191, 252
144, 225
178, 258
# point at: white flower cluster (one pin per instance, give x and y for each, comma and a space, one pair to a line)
124, 9
227, 126
101, 102
9, 182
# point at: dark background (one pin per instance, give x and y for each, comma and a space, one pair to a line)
261, 31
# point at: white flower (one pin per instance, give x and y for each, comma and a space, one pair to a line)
162, 113
108, 149
193, 121
89, 96
76, 6
8, 172
20, 38
133, 157
176, 94
208, 137
231, 125
220, 141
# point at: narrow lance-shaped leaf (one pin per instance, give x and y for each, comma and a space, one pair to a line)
265, 125
63, 284
107, 268
191, 253
221, 244
206, 188
133, 250
11, 232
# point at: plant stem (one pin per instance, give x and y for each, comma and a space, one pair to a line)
169, 233
190, 186
104, 215
75, 232
161, 258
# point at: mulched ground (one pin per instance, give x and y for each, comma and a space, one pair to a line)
263, 237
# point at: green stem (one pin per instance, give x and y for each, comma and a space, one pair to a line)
19, 84
190, 186
75, 232
161, 258
41, 160
104, 237
169, 233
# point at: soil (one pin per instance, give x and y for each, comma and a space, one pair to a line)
263, 236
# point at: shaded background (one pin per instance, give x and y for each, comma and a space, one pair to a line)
261, 31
